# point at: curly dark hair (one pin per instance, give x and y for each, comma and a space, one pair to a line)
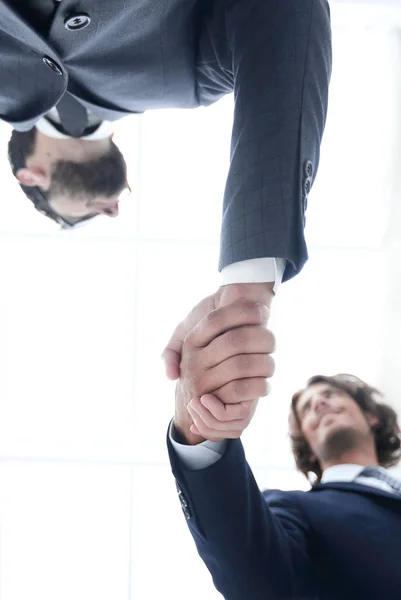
386, 432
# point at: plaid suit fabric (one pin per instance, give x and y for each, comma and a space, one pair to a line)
275, 55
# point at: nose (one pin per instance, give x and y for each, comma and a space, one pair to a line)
319, 402
110, 208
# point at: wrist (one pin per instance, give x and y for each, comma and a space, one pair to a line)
182, 420
183, 435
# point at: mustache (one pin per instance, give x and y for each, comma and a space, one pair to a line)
324, 412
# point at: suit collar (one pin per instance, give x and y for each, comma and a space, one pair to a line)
355, 487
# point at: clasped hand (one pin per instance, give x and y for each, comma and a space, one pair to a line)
225, 360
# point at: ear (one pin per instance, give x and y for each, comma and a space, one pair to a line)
372, 419
31, 177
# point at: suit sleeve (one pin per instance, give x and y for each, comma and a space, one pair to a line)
281, 57
255, 545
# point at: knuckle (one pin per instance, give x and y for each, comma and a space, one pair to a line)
232, 412
268, 337
208, 419
235, 339
243, 413
236, 434
213, 319
201, 428
205, 422
270, 365
223, 394
200, 425
271, 338
248, 411
235, 292
189, 336
220, 412
252, 309
238, 390
217, 415
263, 388
242, 363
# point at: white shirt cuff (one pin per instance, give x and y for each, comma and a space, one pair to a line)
200, 456
255, 270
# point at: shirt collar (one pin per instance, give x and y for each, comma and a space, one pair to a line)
347, 472
104, 130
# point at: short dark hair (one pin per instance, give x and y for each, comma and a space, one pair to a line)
68, 177
20, 146
386, 432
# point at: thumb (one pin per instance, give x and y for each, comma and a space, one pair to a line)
232, 293
172, 352
171, 357
255, 292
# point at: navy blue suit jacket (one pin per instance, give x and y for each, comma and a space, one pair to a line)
338, 541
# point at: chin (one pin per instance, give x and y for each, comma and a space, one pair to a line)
338, 439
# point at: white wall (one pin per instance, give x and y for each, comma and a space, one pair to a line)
88, 504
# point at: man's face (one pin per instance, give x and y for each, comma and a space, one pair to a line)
80, 190
78, 178
332, 421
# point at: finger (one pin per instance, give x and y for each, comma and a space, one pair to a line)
172, 360
172, 353
242, 390
222, 319
213, 436
249, 339
195, 430
229, 412
242, 366
202, 418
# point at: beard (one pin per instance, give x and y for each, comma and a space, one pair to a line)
338, 442
105, 176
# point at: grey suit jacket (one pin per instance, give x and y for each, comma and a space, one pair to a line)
135, 55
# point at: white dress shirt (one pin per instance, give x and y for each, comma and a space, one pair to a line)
351, 472
44, 125
206, 454
256, 270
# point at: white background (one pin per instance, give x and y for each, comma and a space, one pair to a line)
88, 503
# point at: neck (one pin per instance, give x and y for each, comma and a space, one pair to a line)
357, 456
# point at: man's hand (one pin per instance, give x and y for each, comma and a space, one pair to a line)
228, 354
256, 292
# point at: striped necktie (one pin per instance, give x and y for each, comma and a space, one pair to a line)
73, 115
381, 474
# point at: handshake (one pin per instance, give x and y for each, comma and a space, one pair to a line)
221, 356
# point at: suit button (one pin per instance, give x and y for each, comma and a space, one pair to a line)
183, 501
49, 62
77, 22
308, 169
307, 186
187, 513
